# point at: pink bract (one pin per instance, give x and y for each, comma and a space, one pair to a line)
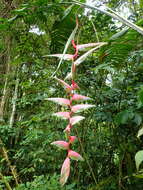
81, 107
65, 171
79, 97
64, 84
75, 156
61, 144
62, 101
72, 139
76, 119
64, 115
74, 85
64, 56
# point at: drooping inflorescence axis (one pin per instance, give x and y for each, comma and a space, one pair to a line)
70, 115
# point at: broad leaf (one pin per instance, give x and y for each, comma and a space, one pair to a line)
119, 34
81, 107
61, 101
114, 15
75, 156
65, 171
76, 119
124, 116
64, 115
61, 144
139, 158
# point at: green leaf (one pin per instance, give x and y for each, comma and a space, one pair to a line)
140, 132
67, 12
20, 10
139, 158
123, 117
137, 119
13, 18
119, 34
141, 3
140, 95
104, 66
138, 175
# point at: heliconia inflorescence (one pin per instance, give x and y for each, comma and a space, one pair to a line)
70, 115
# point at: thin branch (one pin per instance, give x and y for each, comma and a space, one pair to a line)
95, 31
14, 99
5, 89
3, 99
5, 181
12, 168
4, 94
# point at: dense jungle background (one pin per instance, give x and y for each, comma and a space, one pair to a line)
111, 134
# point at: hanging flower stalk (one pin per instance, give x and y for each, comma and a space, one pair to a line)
70, 116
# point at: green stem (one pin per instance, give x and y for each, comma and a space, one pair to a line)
5, 181
12, 168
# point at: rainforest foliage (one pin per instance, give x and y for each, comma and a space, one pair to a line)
110, 138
